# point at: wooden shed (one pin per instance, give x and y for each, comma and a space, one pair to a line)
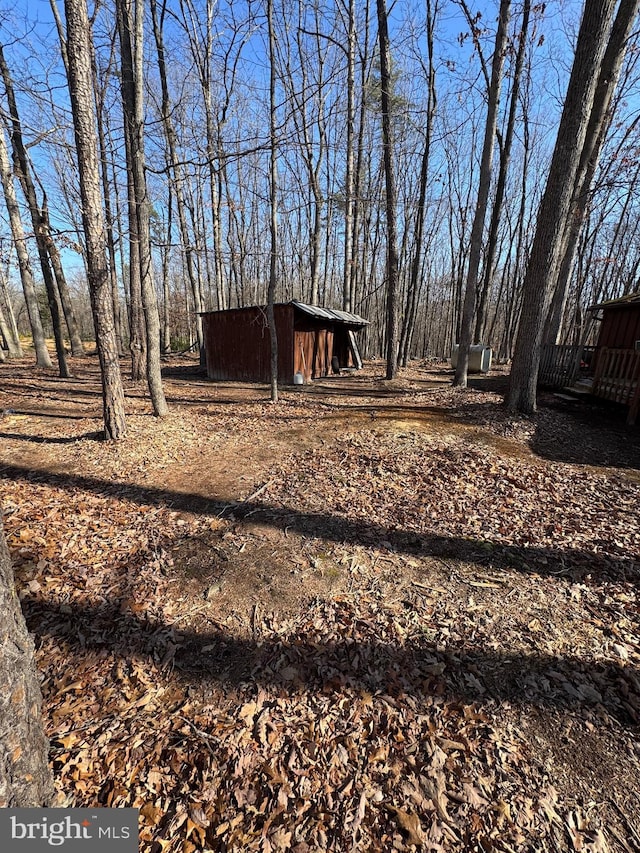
238, 345
620, 322
616, 360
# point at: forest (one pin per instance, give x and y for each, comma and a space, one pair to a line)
240, 145
391, 608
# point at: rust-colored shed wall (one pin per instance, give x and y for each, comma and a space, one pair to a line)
238, 344
620, 327
313, 348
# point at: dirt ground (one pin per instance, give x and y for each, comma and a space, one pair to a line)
376, 616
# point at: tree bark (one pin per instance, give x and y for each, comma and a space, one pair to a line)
505, 156
557, 203
39, 222
599, 122
43, 358
348, 303
273, 192
391, 194
9, 327
131, 50
81, 87
477, 229
25, 776
176, 169
416, 263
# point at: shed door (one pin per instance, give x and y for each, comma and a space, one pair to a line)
322, 352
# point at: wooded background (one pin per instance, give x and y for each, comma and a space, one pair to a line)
381, 161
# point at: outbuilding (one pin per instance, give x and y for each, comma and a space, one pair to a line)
312, 342
616, 360
620, 322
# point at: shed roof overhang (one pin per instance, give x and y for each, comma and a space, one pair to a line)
621, 302
330, 314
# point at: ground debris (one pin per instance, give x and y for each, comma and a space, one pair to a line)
291, 628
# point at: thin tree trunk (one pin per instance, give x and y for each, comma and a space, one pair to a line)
505, 155
134, 129
77, 347
391, 194
23, 170
9, 327
477, 229
175, 168
24, 264
99, 96
347, 286
416, 263
273, 192
165, 336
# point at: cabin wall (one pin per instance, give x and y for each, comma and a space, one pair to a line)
620, 327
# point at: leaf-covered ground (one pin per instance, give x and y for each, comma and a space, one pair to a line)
378, 616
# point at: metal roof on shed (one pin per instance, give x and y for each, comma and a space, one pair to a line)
330, 314
623, 301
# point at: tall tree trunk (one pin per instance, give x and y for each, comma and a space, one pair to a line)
81, 88
42, 235
24, 263
99, 97
25, 776
273, 192
416, 263
557, 203
9, 327
347, 286
131, 50
176, 170
77, 347
505, 156
165, 336
391, 194
599, 123
477, 229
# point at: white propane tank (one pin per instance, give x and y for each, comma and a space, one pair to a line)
479, 358
298, 378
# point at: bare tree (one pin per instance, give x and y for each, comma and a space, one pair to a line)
39, 217
81, 89
273, 193
558, 202
24, 263
175, 166
8, 325
131, 36
25, 777
390, 186
599, 122
477, 230
413, 288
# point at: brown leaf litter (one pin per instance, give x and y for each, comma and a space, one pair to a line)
374, 617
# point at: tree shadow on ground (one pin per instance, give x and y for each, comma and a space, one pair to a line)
612, 562
415, 667
41, 439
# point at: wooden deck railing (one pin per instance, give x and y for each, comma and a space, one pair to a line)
617, 378
562, 365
